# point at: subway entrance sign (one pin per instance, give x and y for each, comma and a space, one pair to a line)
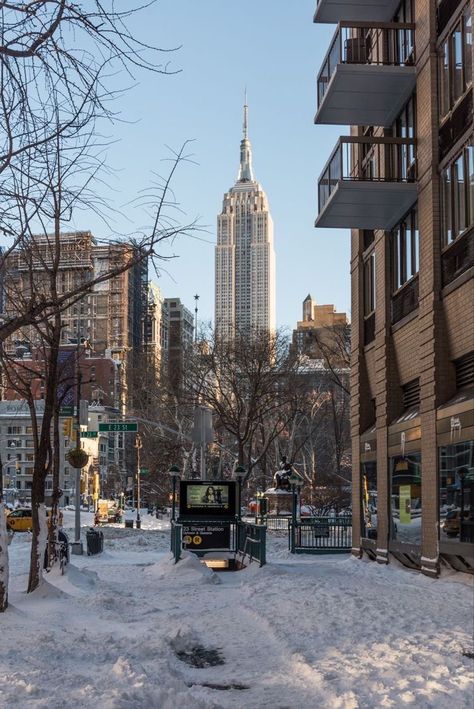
119, 426
199, 536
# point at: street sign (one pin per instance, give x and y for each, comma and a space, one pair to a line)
144, 471
122, 426
89, 434
66, 411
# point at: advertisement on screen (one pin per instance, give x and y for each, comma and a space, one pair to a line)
207, 499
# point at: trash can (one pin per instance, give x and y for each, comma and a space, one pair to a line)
129, 523
95, 541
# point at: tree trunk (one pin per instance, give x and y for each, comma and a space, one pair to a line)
3, 559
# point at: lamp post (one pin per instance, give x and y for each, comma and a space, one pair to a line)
138, 446
174, 472
296, 483
239, 474
261, 506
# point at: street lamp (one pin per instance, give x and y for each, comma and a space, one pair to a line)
296, 482
138, 446
261, 506
174, 472
239, 474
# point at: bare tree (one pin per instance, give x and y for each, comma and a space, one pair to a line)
250, 383
57, 59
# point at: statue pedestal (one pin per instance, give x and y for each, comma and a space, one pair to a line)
280, 502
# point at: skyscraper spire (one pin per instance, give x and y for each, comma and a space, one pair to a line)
246, 116
245, 171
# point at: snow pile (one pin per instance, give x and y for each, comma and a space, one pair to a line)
129, 629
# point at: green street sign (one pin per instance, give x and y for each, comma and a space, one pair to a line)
89, 434
122, 426
66, 411
144, 471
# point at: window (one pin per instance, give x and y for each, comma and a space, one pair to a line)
369, 500
456, 491
455, 63
406, 498
405, 248
369, 284
457, 195
404, 127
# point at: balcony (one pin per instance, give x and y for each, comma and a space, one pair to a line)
333, 11
368, 74
367, 183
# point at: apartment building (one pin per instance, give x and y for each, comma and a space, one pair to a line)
180, 333
321, 332
110, 317
402, 179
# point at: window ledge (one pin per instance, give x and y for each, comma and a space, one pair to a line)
458, 282
404, 321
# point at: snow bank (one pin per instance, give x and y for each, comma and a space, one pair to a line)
121, 630
189, 566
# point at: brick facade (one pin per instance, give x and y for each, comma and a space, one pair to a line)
421, 346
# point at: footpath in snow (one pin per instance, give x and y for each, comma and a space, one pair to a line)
129, 629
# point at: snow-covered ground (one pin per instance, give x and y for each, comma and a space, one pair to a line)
122, 630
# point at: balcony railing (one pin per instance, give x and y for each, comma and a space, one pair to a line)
391, 44
369, 180
368, 73
367, 158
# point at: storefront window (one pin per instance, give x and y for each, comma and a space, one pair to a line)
456, 492
369, 500
406, 498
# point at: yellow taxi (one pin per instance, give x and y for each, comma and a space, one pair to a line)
20, 520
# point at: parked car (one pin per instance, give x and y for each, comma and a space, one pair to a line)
452, 523
20, 520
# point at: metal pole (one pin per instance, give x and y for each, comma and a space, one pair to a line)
203, 462
293, 525
174, 499
138, 445
77, 516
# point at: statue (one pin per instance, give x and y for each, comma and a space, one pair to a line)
282, 476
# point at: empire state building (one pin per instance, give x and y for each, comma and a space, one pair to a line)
245, 259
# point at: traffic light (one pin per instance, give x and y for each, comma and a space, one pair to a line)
67, 427
96, 488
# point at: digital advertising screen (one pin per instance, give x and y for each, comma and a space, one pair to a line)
207, 499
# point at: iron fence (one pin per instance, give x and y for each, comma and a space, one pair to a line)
320, 535
252, 542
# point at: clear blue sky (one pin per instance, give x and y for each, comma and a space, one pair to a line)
273, 48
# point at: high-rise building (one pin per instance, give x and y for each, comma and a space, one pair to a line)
400, 73
180, 323
245, 258
111, 316
155, 335
322, 329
